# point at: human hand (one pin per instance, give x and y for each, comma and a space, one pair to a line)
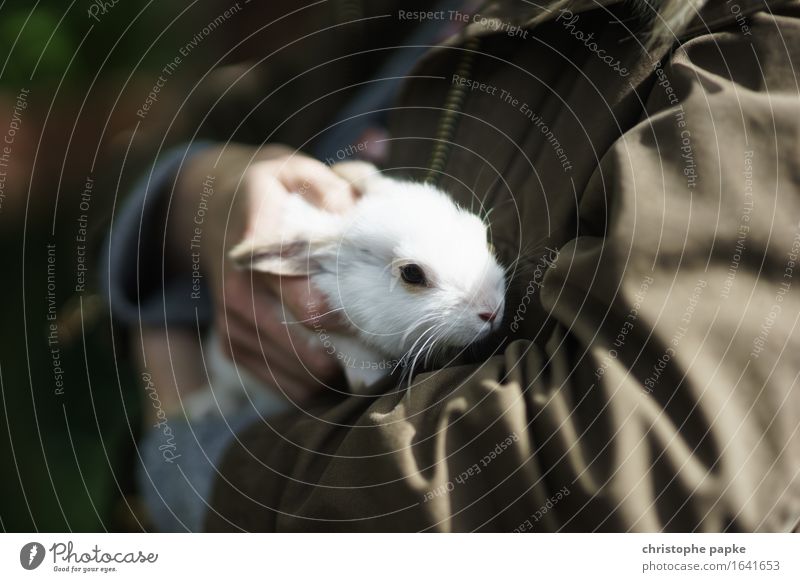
250, 308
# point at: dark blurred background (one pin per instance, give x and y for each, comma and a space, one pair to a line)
66, 451
74, 77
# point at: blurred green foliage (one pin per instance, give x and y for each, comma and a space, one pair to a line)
66, 461
51, 37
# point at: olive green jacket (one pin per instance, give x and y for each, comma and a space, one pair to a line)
647, 201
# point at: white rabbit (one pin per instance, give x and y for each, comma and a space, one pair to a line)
412, 272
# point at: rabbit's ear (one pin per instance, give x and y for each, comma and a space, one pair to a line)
360, 175
303, 240
286, 258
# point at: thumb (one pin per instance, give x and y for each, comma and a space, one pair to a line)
305, 303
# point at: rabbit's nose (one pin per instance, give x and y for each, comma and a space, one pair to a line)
488, 316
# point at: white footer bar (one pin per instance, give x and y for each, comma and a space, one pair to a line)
401, 557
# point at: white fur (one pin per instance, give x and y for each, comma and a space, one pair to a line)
354, 260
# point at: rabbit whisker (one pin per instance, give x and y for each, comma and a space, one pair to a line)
421, 321
315, 317
433, 338
407, 355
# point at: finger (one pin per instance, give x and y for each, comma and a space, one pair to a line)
258, 315
296, 340
315, 182
263, 322
307, 304
275, 367
297, 389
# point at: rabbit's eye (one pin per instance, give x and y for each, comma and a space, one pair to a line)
413, 274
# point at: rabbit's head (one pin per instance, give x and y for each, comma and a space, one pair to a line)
411, 271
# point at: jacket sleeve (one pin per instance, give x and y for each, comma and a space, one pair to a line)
132, 277
665, 395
